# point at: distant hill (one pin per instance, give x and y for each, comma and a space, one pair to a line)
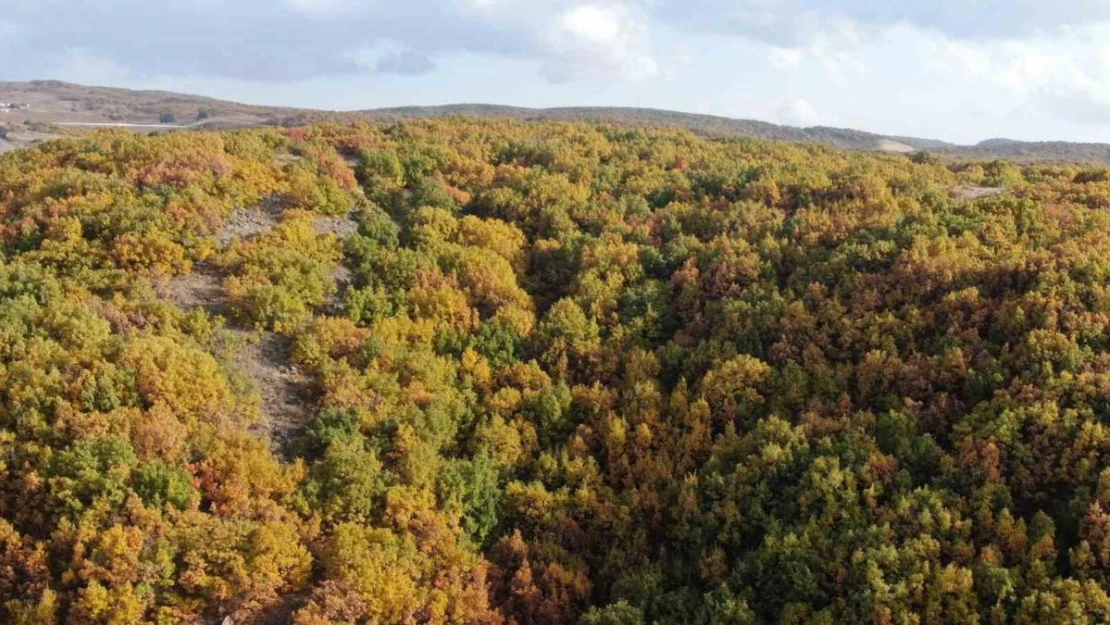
709, 125
58, 104
52, 101
1032, 150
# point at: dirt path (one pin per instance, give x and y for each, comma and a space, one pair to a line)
969, 192
121, 125
286, 399
287, 402
250, 222
203, 288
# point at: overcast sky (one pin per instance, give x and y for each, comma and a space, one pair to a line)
961, 70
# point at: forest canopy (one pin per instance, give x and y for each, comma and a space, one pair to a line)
467, 371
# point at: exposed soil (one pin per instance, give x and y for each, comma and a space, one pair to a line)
203, 288
287, 400
250, 222
890, 145
969, 192
341, 227
342, 278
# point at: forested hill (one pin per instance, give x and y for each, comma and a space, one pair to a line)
54, 102
507, 373
707, 125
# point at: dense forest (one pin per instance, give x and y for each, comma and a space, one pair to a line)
540, 373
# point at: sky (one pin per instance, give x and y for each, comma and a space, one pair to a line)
958, 70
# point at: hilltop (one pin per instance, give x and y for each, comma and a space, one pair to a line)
53, 104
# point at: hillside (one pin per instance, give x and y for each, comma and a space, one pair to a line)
1031, 151
54, 103
708, 125
533, 373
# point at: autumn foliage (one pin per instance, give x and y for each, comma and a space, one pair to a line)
561, 373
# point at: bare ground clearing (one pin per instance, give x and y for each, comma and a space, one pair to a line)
287, 400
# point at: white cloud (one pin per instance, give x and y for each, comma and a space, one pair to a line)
1025, 62
483, 4
867, 63
9, 32
592, 24
1032, 51
798, 112
785, 58
404, 62
316, 7
98, 71
304, 39
1064, 75
594, 39
791, 22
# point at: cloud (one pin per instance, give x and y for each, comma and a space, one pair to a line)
784, 58
791, 23
407, 62
1027, 58
798, 112
593, 39
321, 6
592, 24
289, 40
1061, 76
1083, 107
9, 33
1048, 59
